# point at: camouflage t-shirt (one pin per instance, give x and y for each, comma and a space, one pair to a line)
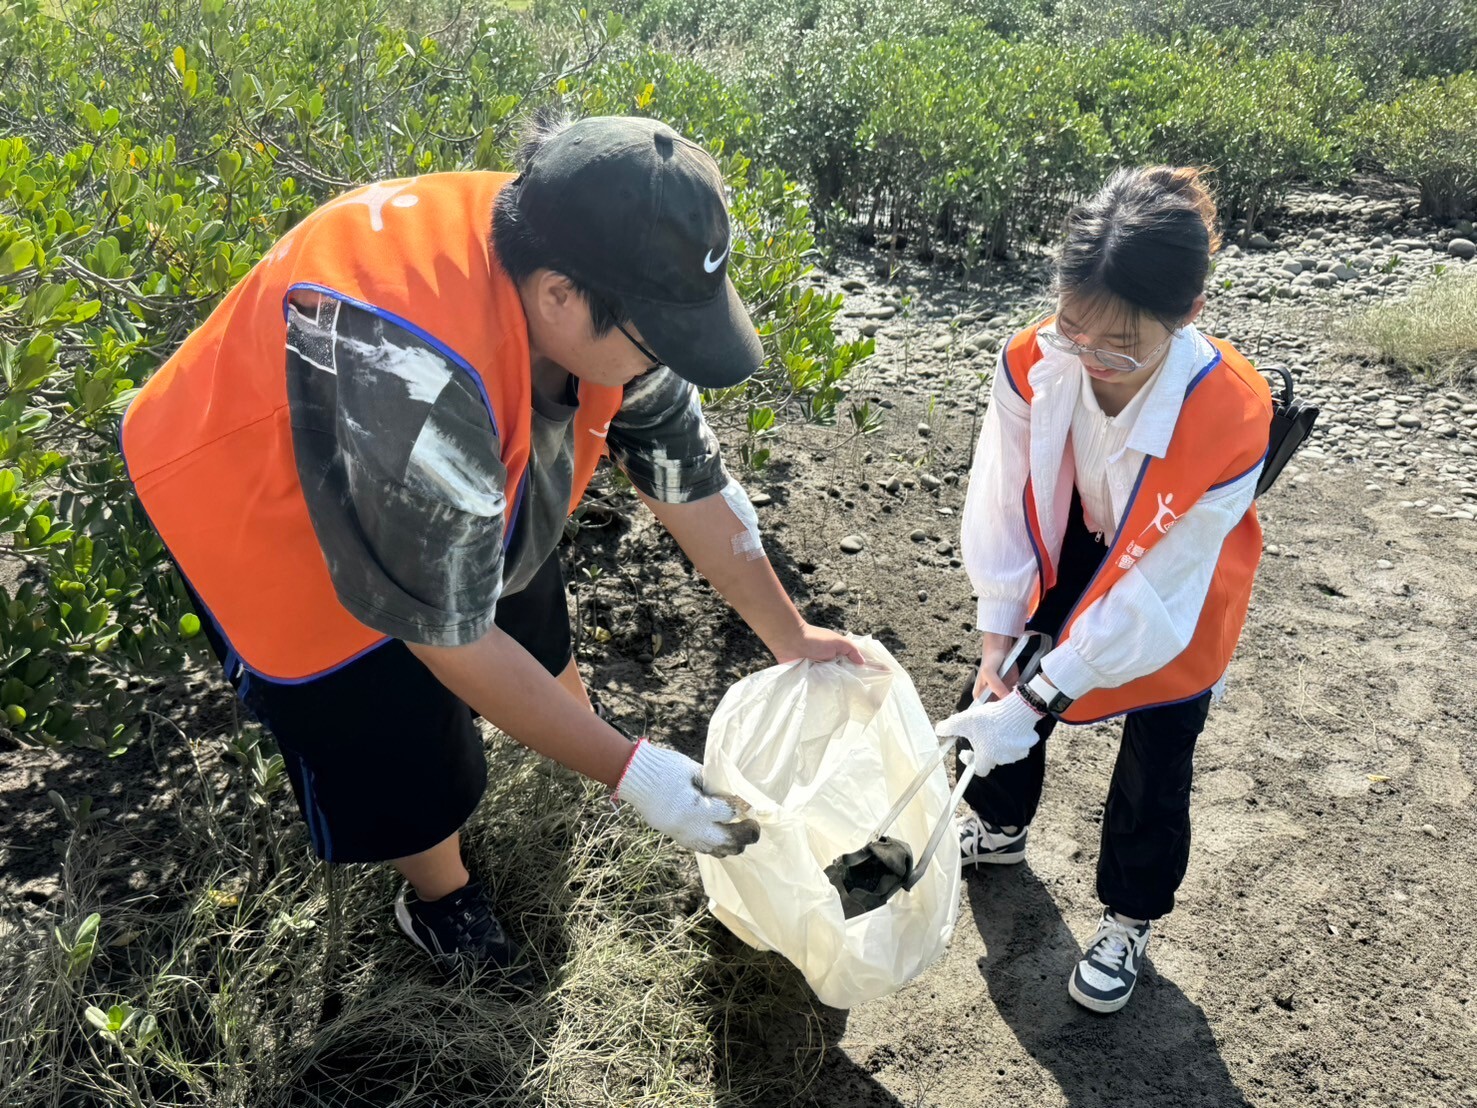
401, 470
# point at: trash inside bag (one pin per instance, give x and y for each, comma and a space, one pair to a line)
865, 879
822, 752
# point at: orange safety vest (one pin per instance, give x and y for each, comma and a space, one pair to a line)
1220, 436
208, 440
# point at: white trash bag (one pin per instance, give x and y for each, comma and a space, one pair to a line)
823, 752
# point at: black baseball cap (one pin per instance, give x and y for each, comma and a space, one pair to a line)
631, 209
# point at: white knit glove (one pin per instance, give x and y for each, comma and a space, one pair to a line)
1000, 731
666, 789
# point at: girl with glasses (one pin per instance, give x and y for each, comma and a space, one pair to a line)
1110, 508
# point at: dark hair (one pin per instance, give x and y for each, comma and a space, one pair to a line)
518, 246
1143, 243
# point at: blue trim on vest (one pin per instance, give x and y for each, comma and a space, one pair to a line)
1036, 550
1204, 372
1103, 565
1248, 470
1005, 362
1144, 708
233, 663
398, 321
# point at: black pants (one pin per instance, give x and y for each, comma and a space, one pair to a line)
1146, 822
384, 760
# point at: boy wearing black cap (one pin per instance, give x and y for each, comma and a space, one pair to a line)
442, 336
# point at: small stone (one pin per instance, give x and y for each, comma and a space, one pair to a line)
1345, 273
893, 484
868, 330
918, 535
924, 430
1465, 249
1430, 829
886, 311
1384, 563
838, 589
922, 595
853, 544
1385, 423
761, 500
1292, 269
1273, 549
942, 344
1259, 241
1409, 419
929, 481
853, 284
945, 548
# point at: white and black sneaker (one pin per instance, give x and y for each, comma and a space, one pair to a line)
982, 843
1104, 979
460, 932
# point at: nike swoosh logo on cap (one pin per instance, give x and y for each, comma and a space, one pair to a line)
711, 264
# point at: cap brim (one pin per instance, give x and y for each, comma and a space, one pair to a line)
713, 345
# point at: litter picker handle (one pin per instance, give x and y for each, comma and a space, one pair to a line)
947, 744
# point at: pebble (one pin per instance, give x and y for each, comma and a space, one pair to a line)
838, 589
1465, 249
761, 500
1409, 419
918, 535
886, 311
853, 544
945, 548
1384, 563
929, 481
1385, 423
922, 595
924, 430
1259, 241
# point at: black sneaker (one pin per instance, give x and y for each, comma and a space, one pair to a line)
982, 843
1104, 979
460, 932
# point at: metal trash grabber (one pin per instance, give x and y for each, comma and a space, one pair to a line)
888, 860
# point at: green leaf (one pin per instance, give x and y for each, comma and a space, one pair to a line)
17, 256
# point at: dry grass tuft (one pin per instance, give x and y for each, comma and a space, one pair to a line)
1432, 332
258, 977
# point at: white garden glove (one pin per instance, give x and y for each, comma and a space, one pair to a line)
1000, 731
666, 789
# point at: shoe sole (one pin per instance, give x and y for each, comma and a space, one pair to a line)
402, 917
1092, 1004
1014, 859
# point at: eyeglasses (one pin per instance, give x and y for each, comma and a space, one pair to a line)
1108, 359
656, 363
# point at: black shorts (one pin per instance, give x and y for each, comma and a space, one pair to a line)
384, 759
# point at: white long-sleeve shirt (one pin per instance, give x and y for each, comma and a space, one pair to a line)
1149, 615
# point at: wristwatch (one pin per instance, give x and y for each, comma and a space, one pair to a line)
1040, 694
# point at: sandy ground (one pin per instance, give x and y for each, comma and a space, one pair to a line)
1323, 950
